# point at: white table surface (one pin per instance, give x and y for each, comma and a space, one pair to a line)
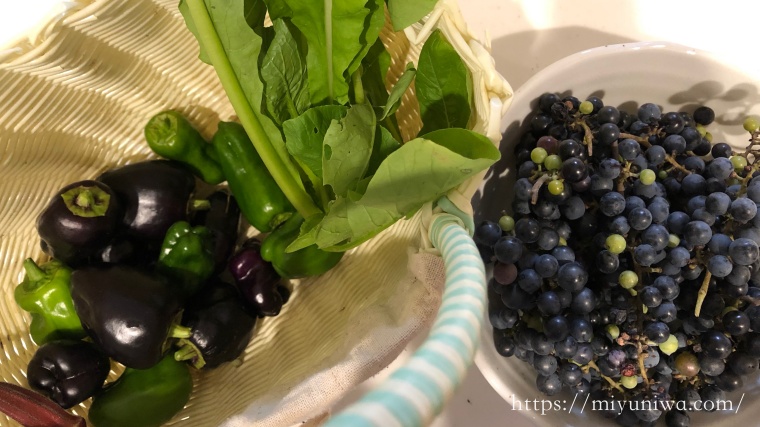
528, 35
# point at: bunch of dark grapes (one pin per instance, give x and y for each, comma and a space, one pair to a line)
629, 268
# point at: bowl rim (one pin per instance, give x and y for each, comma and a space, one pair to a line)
483, 361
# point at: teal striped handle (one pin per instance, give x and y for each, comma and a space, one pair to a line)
415, 393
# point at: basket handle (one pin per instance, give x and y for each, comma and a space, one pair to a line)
415, 393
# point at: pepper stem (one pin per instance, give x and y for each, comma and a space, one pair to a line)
84, 199
179, 331
188, 351
33, 271
200, 205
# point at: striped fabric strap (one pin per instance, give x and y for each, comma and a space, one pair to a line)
415, 393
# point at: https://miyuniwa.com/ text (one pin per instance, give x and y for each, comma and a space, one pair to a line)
585, 404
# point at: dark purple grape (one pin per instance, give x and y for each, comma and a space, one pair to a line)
574, 170
704, 115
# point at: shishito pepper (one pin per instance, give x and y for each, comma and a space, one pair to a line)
261, 200
309, 261
187, 256
171, 136
45, 293
143, 397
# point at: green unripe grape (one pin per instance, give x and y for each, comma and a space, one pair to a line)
562, 241
751, 124
615, 243
662, 174
553, 162
673, 241
739, 162
629, 382
647, 177
507, 223
556, 187
538, 155
613, 331
701, 129
708, 136
670, 345
628, 279
586, 107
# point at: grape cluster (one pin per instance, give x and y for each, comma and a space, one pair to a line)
629, 267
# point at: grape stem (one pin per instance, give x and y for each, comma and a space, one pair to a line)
642, 368
645, 142
588, 137
592, 364
536, 188
702, 293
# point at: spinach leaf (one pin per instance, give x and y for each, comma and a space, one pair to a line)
384, 145
255, 11
348, 148
394, 98
406, 12
225, 29
284, 73
185, 11
426, 168
375, 67
278, 9
305, 134
443, 86
420, 171
372, 27
333, 31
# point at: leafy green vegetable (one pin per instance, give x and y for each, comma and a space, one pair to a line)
420, 171
406, 12
375, 65
347, 149
394, 98
333, 30
372, 27
443, 86
294, 80
277, 9
190, 24
284, 73
304, 135
384, 145
235, 58
255, 11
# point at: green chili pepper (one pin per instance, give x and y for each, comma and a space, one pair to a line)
45, 292
143, 397
261, 201
309, 261
187, 256
171, 136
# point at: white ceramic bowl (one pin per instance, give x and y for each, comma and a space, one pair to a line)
678, 79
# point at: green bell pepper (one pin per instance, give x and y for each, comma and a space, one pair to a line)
143, 397
187, 256
261, 200
171, 136
309, 261
45, 292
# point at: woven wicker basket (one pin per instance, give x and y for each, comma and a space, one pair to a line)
73, 104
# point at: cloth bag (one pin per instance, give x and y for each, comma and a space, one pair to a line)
74, 102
